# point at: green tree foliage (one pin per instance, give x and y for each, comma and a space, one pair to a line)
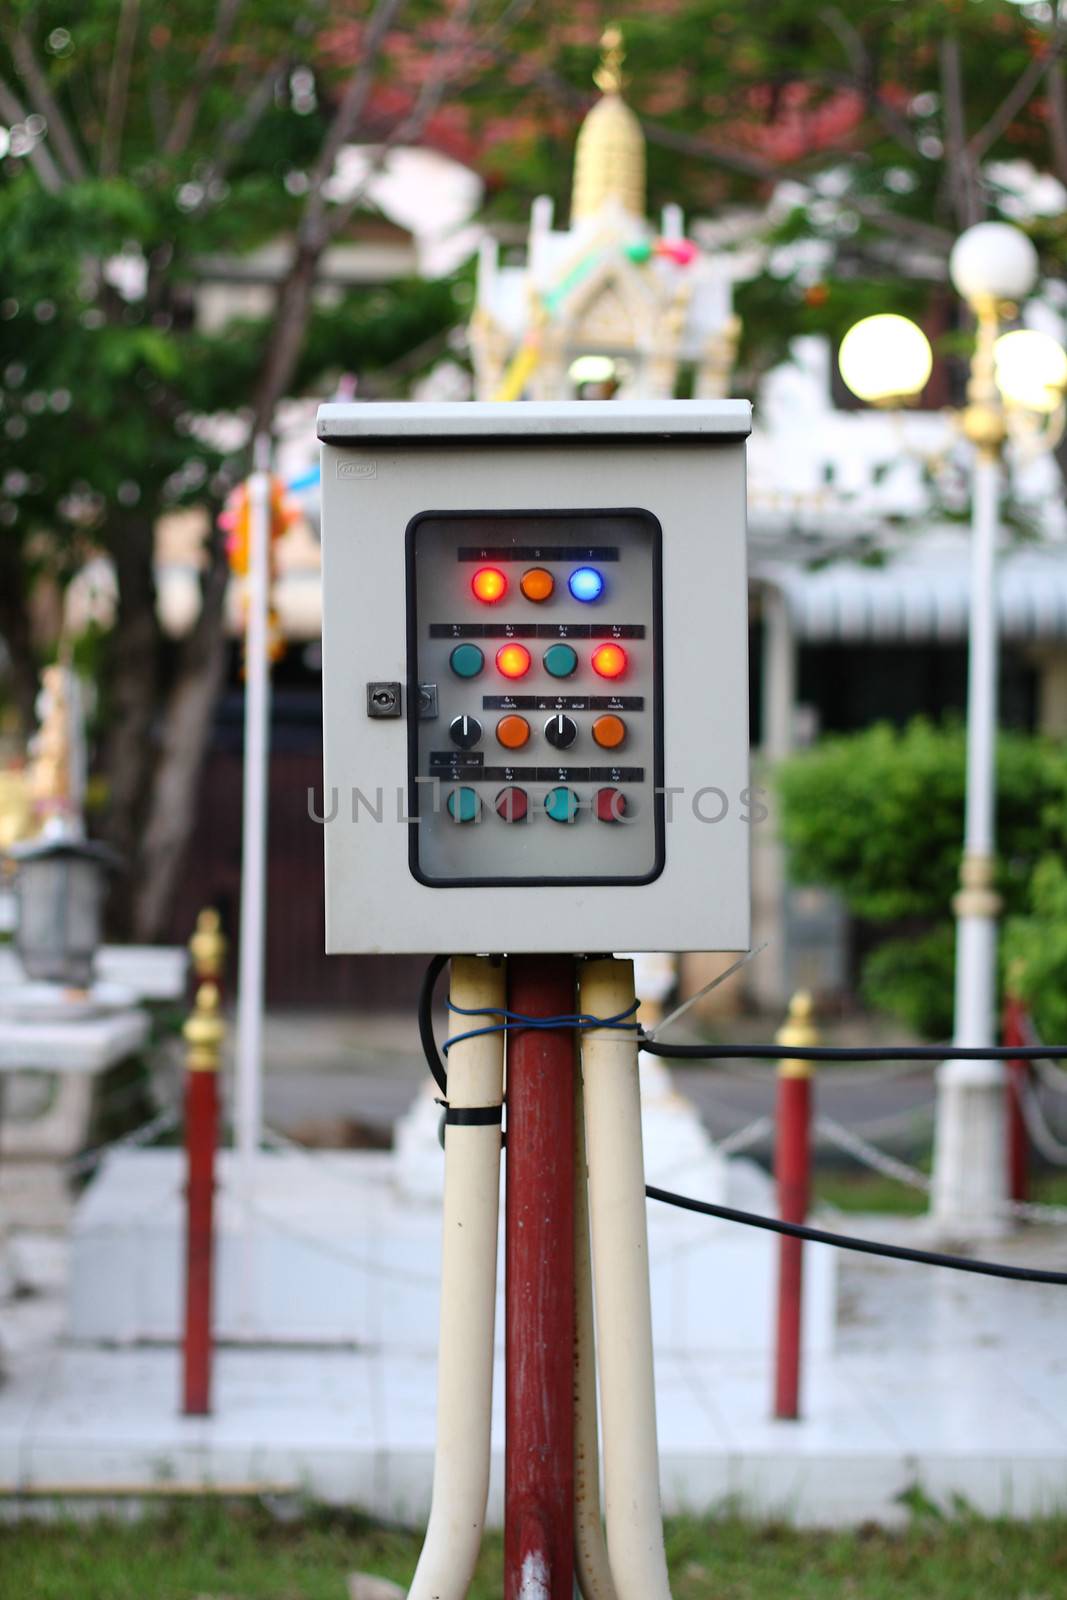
144, 152
878, 817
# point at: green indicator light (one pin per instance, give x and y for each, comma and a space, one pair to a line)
463, 805
561, 804
560, 660
466, 661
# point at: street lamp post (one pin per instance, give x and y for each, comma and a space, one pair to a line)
990, 265
993, 266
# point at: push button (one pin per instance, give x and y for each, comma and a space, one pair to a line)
466, 661
512, 805
465, 731
464, 805
513, 732
560, 660
561, 731
610, 805
609, 731
561, 804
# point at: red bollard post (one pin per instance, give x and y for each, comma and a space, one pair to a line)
203, 1033
539, 1292
792, 1170
1016, 1079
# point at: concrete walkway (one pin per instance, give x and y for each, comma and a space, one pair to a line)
956, 1385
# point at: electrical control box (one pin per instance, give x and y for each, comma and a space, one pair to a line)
535, 677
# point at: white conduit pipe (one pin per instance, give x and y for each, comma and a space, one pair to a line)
468, 1295
590, 1551
623, 1298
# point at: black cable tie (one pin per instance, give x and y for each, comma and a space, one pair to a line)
473, 1116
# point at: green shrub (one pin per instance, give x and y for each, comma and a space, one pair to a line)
878, 816
913, 979
1035, 949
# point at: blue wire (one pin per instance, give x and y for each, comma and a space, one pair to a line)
514, 1019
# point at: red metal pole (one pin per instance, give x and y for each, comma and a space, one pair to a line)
792, 1166
1015, 1082
201, 1135
539, 1343
203, 1031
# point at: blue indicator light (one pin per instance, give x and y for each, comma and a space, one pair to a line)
586, 583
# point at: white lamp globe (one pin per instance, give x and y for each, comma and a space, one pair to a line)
993, 260
1030, 369
591, 369
884, 358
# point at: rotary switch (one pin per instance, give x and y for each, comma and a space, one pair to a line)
465, 731
561, 731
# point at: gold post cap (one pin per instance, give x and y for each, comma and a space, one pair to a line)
798, 1030
204, 1030
208, 945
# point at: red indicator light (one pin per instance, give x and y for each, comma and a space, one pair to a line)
513, 660
609, 660
489, 585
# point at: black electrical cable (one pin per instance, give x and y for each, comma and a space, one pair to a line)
900, 1052
429, 1044
848, 1241
753, 1219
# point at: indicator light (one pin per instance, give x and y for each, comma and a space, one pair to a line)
609, 660
513, 732
513, 660
560, 660
489, 585
586, 584
537, 584
466, 661
512, 805
464, 805
610, 805
609, 731
561, 804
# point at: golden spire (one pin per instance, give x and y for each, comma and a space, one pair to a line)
609, 158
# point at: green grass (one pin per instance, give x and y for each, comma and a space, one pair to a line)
859, 1189
212, 1551
867, 1191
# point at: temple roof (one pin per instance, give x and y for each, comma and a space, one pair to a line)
609, 158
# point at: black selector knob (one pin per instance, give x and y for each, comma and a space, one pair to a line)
561, 731
465, 731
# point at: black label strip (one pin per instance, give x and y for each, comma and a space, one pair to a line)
472, 770
538, 552
563, 702
537, 630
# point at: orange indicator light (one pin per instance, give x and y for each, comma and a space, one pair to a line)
537, 584
513, 732
513, 660
489, 585
609, 660
609, 731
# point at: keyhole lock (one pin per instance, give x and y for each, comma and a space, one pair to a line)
383, 699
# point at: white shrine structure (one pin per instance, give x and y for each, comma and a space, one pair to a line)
607, 300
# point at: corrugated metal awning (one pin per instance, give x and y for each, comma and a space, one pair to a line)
923, 593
